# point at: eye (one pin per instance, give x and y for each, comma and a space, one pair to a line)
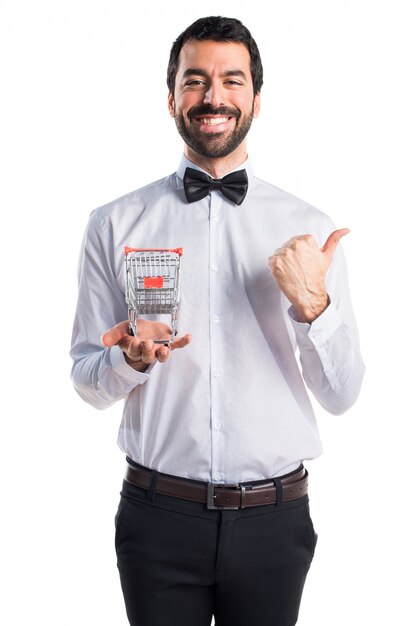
233, 83
196, 82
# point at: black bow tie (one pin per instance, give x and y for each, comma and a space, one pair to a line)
197, 185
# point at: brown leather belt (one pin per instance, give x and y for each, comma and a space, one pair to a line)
217, 495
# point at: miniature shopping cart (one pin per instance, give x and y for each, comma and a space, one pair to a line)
153, 285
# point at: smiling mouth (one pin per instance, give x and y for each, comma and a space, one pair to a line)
212, 121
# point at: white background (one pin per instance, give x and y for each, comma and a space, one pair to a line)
84, 120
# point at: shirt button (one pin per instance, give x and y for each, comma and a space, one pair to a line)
215, 319
216, 373
215, 218
215, 268
217, 477
219, 426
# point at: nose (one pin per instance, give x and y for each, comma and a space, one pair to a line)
214, 96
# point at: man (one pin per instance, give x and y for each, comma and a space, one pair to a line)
214, 516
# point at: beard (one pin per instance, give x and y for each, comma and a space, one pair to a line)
214, 145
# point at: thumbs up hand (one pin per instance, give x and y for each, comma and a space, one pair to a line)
300, 267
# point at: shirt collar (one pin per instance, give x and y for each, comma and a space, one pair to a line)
184, 162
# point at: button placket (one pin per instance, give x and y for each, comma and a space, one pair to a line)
215, 278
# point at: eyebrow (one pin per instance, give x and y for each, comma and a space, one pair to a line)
193, 71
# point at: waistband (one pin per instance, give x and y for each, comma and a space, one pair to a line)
218, 496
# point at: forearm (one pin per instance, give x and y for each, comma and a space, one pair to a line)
330, 358
103, 377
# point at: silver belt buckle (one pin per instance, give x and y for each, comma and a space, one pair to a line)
211, 496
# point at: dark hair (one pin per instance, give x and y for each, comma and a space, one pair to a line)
216, 29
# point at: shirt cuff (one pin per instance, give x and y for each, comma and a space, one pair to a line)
125, 371
320, 330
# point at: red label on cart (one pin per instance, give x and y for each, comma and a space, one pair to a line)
153, 282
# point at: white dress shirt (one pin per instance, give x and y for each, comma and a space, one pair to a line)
232, 405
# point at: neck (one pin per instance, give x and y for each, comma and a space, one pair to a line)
218, 167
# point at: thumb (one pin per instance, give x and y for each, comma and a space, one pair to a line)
114, 335
332, 242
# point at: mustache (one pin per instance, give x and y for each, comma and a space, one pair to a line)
207, 109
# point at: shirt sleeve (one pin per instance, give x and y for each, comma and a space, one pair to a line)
329, 347
100, 375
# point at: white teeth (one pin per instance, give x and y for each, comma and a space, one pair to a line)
213, 121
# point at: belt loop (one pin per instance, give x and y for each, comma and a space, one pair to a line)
243, 502
153, 485
279, 490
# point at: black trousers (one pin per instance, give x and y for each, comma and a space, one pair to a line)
180, 563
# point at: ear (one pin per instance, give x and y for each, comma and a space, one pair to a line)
257, 104
171, 104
